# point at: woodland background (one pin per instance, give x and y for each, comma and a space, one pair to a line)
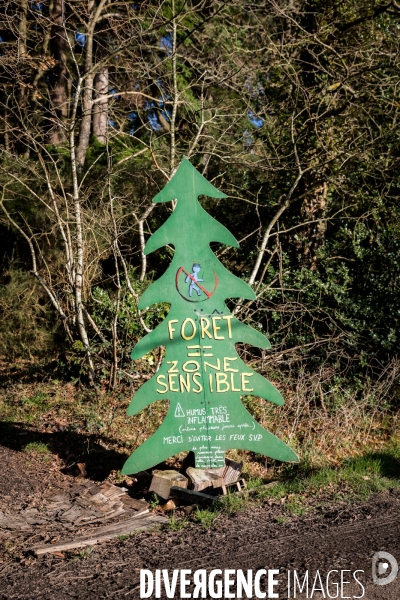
291, 108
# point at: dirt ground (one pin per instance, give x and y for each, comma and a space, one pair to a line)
342, 537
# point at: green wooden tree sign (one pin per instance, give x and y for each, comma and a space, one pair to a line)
202, 375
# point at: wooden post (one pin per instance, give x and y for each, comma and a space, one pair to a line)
202, 479
163, 481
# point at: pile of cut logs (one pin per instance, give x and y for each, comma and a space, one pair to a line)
199, 485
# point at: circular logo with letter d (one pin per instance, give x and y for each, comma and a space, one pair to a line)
381, 562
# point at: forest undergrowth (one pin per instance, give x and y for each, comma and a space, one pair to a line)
325, 419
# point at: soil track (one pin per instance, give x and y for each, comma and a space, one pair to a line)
343, 537
246, 541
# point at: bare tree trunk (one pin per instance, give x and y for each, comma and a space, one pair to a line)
175, 98
7, 144
22, 51
58, 94
313, 210
100, 109
87, 100
79, 260
22, 28
86, 122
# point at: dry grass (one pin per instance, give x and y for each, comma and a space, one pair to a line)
323, 420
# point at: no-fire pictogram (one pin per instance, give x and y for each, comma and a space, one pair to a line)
189, 284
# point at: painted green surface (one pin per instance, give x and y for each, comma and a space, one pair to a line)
202, 375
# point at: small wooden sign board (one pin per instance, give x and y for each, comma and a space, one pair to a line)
202, 375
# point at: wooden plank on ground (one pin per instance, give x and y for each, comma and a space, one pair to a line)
140, 505
192, 496
102, 534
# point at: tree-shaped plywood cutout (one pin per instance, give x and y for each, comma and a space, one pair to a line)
202, 376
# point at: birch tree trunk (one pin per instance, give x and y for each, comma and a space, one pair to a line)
22, 28
100, 108
87, 99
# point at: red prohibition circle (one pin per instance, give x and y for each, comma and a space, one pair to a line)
207, 293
